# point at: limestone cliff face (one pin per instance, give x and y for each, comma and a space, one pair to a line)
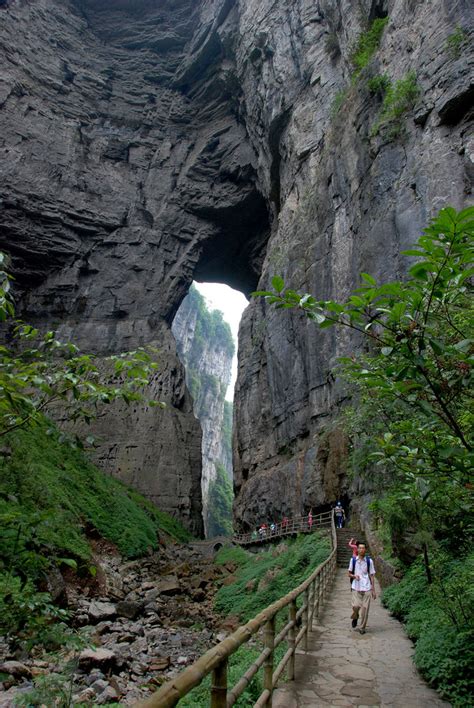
147, 142
344, 202
206, 348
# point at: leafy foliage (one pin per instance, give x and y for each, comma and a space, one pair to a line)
38, 371
367, 44
220, 500
379, 84
399, 99
444, 648
415, 387
456, 42
419, 332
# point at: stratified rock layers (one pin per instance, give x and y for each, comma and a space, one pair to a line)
146, 142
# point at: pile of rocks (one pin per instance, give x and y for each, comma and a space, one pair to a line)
152, 617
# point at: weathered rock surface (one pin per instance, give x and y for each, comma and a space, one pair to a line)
144, 144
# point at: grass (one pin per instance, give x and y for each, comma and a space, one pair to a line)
399, 99
51, 496
456, 42
260, 580
367, 45
440, 620
263, 579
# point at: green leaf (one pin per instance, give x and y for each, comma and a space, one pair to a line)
369, 278
464, 344
386, 351
278, 283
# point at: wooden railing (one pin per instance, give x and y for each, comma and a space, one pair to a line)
299, 524
296, 629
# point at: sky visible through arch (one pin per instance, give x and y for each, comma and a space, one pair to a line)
231, 303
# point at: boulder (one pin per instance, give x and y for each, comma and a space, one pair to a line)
129, 609
100, 658
99, 611
169, 585
15, 669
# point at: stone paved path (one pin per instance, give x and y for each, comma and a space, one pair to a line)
344, 668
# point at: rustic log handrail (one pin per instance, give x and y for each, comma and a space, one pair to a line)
215, 660
298, 524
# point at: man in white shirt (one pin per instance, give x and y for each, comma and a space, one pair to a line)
362, 573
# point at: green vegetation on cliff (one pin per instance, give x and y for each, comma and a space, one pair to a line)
211, 332
51, 500
221, 496
49, 488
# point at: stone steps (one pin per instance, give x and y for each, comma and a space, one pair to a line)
344, 553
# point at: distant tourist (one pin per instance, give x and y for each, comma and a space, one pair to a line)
339, 514
361, 572
353, 545
272, 528
310, 520
284, 524
254, 535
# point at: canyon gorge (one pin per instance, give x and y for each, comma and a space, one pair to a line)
149, 143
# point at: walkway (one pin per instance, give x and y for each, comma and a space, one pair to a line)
344, 668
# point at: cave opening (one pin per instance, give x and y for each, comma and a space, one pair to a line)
206, 330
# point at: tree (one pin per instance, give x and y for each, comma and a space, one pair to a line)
38, 371
416, 379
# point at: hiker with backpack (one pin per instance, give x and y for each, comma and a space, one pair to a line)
361, 573
339, 514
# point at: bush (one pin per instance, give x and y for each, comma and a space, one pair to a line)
444, 651
24, 611
367, 44
379, 84
399, 99
456, 42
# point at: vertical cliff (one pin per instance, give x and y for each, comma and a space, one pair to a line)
346, 198
206, 349
145, 143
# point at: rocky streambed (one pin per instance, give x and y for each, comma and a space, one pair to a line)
140, 623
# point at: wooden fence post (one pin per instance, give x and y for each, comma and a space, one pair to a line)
219, 686
268, 666
291, 641
306, 619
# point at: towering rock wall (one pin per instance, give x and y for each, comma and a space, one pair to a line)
147, 142
124, 171
206, 348
345, 202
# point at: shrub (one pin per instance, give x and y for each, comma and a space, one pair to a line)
367, 44
399, 99
379, 84
24, 611
456, 42
338, 102
444, 651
